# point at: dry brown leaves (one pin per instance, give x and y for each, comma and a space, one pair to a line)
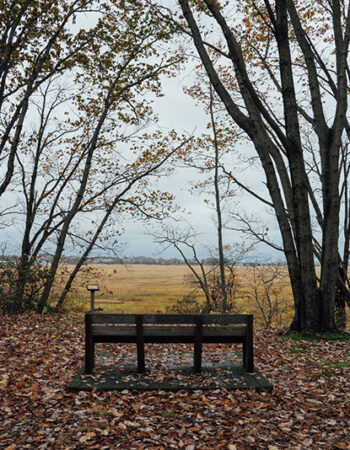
309, 407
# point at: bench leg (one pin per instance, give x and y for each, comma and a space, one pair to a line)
244, 355
89, 346
249, 350
198, 349
249, 361
140, 358
140, 345
89, 356
198, 358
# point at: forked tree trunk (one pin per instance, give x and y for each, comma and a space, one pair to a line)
314, 303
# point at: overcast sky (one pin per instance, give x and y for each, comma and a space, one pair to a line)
177, 110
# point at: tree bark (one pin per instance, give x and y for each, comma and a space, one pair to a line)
314, 305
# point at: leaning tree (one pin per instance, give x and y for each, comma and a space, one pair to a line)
77, 80
279, 68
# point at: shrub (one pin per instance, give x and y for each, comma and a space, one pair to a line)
186, 305
16, 296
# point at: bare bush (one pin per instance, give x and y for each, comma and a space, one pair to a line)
267, 289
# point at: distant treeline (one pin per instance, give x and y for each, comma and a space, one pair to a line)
210, 261
137, 260
133, 260
107, 260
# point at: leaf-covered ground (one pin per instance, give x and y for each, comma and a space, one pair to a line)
308, 408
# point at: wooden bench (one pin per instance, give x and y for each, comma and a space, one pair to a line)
168, 328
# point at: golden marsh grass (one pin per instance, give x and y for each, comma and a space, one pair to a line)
154, 288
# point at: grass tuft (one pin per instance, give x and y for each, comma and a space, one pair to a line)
340, 364
317, 337
297, 350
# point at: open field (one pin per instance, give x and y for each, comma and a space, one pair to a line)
152, 288
141, 288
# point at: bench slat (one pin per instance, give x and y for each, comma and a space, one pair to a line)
100, 330
222, 319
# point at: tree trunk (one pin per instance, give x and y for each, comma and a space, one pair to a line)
218, 211
340, 310
314, 305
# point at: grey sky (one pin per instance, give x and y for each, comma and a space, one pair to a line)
177, 110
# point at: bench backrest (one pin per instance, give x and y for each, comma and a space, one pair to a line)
168, 325
158, 319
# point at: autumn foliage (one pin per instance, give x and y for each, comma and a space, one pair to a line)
39, 355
